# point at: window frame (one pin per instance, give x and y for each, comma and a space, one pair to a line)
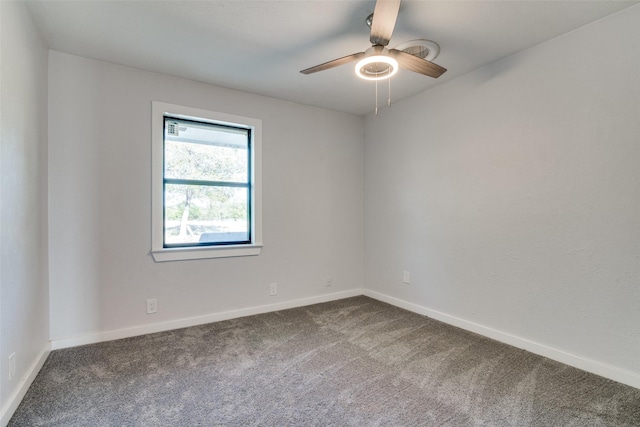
246, 130
160, 253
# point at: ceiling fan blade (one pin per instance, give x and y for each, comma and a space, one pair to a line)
334, 63
416, 64
384, 20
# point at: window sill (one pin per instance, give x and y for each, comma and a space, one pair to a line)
184, 254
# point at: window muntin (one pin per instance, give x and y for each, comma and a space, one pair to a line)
206, 184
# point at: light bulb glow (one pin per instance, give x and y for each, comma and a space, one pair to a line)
376, 67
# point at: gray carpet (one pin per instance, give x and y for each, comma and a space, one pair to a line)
354, 362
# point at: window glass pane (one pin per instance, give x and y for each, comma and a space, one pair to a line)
207, 152
198, 214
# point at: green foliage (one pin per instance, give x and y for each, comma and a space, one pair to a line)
175, 212
205, 162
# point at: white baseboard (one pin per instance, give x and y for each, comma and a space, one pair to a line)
15, 398
198, 320
604, 370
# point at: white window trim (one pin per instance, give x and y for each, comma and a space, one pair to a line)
161, 254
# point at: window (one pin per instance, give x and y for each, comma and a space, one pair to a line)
207, 197
205, 184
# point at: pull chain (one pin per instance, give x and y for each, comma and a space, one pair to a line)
376, 97
388, 93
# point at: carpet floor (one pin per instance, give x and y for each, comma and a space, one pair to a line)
353, 362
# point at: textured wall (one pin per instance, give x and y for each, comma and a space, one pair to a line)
24, 296
512, 195
99, 167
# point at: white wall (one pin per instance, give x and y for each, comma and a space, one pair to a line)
101, 272
24, 297
512, 195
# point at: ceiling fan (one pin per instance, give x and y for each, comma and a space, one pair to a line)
378, 62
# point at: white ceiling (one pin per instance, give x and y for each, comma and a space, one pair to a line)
260, 46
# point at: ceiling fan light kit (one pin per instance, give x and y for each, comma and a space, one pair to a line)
377, 64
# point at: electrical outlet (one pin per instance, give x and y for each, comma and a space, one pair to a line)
406, 278
12, 365
152, 306
329, 280
273, 289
